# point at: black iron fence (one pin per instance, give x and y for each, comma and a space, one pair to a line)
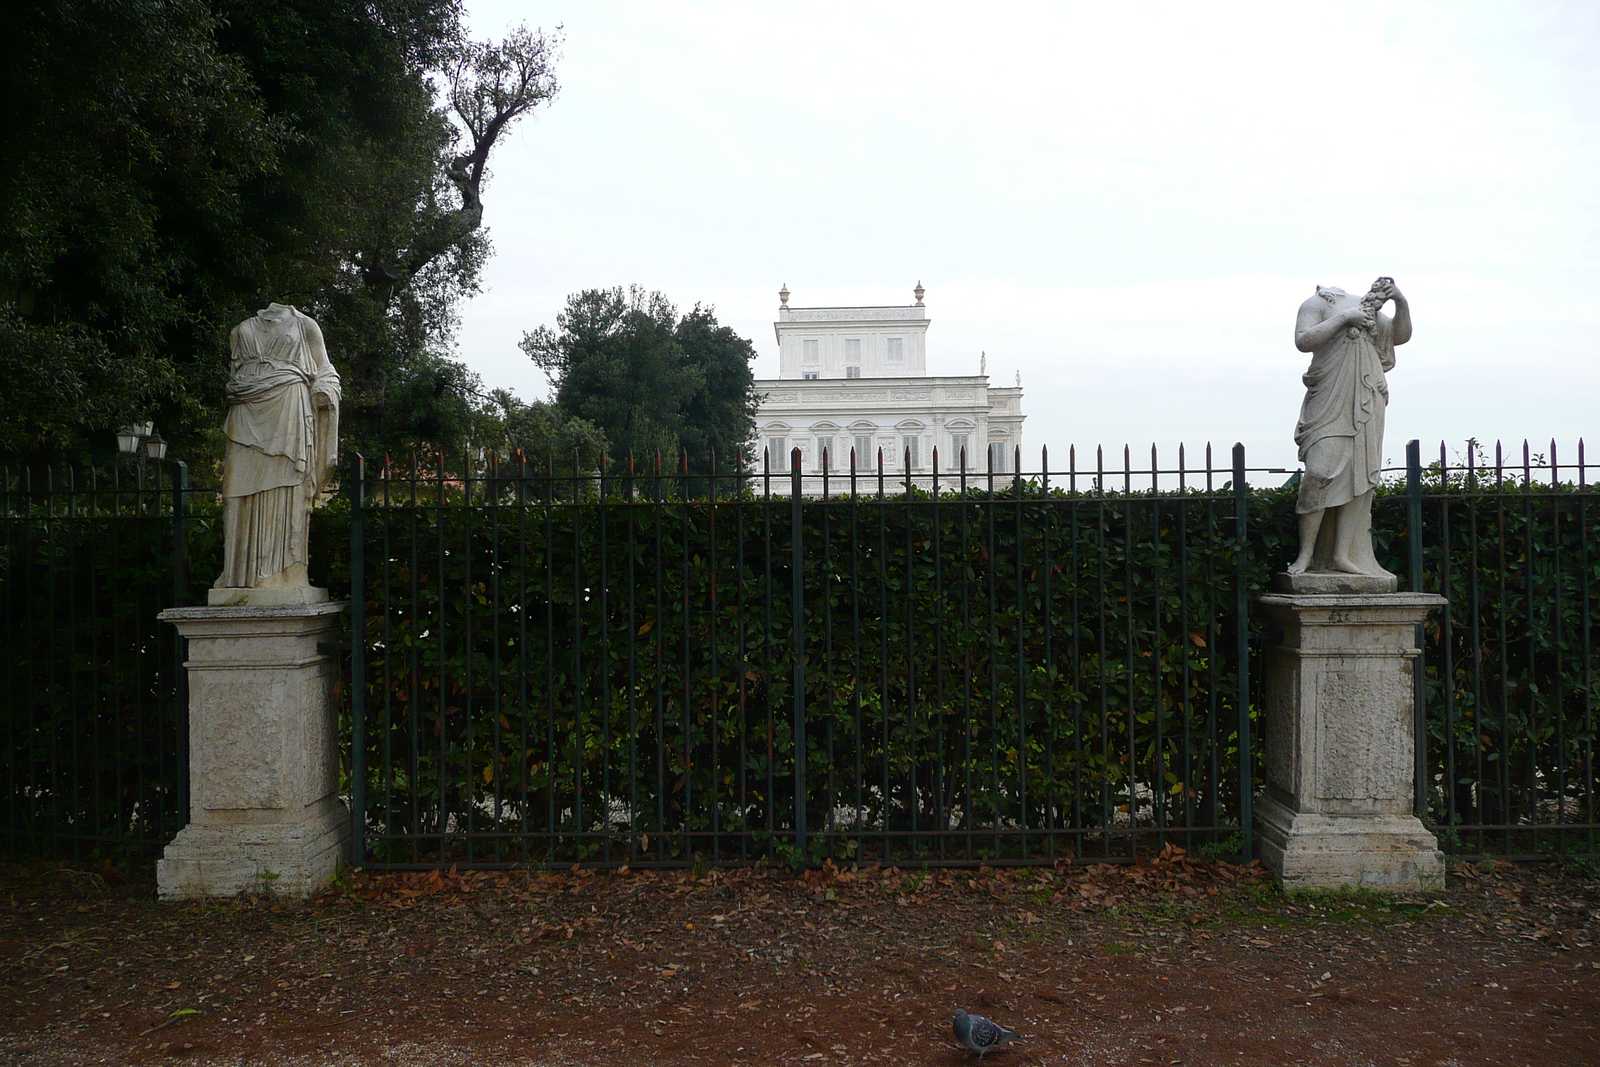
653, 667
1507, 699
93, 720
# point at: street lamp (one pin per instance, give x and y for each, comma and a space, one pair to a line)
141, 441
130, 437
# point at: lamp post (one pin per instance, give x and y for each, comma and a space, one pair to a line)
141, 440
141, 437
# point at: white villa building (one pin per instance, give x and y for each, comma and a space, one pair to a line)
856, 378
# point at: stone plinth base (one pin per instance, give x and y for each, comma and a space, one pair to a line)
1333, 583
224, 861
264, 814
1394, 853
1340, 741
227, 596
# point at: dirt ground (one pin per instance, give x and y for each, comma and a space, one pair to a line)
1176, 961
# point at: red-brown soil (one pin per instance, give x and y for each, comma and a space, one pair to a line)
1171, 962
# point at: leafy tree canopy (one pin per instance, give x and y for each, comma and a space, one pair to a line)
542, 433
182, 162
654, 382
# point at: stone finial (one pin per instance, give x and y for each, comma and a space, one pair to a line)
918, 291
783, 295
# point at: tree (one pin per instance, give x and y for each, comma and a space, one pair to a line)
179, 163
720, 418
376, 217
654, 383
542, 433
122, 162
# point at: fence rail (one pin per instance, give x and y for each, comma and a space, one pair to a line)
652, 666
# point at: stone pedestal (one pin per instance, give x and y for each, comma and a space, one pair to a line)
1340, 745
264, 812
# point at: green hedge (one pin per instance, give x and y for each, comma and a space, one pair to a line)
1011, 676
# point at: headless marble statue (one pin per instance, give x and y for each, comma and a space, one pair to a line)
1340, 432
283, 443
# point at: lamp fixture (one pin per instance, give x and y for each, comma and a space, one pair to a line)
140, 437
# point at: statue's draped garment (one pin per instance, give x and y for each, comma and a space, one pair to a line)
281, 445
1345, 399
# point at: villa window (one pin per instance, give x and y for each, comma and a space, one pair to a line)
864, 457
852, 372
852, 350
811, 351
825, 453
997, 457
778, 453
958, 445
912, 445
811, 375
895, 349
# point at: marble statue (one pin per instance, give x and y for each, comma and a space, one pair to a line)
283, 443
1340, 432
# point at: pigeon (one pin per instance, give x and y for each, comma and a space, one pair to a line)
979, 1034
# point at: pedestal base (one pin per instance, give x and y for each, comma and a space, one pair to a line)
1340, 739
264, 811
1328, 583
1394, 853
289, 595
224, 861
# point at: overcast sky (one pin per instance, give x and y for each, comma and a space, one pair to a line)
1124, 202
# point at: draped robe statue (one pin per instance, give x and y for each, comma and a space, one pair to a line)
1340, 432
283, 443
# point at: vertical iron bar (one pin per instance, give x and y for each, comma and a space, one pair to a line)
180, 674
713, 785
358, 661
1588, 654
1102, 672
603, 623
1419, 689
1505, 816
770, 797
1158, 794
1047, 522
1447, 674
1475, 632
1558, 711
1529, 612
1241, 610
855, 637
798, 622
1023, 823
497, 761
631, 509
1183, 645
